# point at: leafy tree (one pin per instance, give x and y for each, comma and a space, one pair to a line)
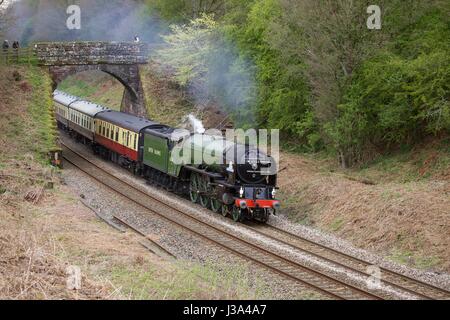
205, 63
399, 96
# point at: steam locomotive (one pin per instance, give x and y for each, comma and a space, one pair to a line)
241, 182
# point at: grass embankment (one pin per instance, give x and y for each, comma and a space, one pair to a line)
44, 229
95, 86
397, 206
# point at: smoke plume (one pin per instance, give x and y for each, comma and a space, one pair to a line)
101, 20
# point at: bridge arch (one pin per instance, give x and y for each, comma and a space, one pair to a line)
120, 60
121, 74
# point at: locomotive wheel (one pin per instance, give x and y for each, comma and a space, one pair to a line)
205, 201
225, 210
193, 188
237, 214
216, 205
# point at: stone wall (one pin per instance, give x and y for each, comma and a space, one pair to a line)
82, 53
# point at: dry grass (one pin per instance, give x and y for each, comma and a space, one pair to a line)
29, 264
408, 221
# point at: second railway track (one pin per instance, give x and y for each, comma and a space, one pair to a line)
395, 279
321, 282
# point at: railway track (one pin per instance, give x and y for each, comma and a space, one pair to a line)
394, 279
319, 281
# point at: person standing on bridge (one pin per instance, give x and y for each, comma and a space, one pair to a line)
5, 48
16, 47
136, 39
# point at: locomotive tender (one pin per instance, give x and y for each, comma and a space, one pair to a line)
240, 183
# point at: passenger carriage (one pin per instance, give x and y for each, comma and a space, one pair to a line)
62, 101
76, 116
118, 135
82, 118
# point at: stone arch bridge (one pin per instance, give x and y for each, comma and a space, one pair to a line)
119, 59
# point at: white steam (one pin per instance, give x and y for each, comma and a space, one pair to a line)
196, 124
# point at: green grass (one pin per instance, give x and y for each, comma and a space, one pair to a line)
32, 133
409, 258
336, 224
192, 282
43, 133
77, 87
88, 85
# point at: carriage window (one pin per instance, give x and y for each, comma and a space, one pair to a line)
112, 133
117, 134
135, 139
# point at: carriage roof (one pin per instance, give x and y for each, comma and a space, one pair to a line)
88, 108
64, 98
126, 121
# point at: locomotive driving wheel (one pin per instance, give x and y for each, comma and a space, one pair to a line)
225, 210
194, 188
237, 214
205, 200
216, 205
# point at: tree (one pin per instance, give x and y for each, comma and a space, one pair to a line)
203, 62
